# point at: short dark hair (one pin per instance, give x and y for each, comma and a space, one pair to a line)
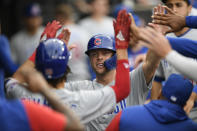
64, 10
56, 81
187, 1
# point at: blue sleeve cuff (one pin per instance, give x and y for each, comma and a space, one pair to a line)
149, 94
195, 89
159, 79
190, 21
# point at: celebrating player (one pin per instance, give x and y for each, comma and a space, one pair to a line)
99, 55
165, 114
53, 53
23, 115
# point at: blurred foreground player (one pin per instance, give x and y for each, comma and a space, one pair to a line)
51, 60
23, 115
165, 114
26, 116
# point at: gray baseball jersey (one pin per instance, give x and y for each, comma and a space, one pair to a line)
102, 100
165, 69
139, 91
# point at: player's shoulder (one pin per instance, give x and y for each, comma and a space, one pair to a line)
107, 18
10, 82
18, 36
79, 85
85, 21
137, 69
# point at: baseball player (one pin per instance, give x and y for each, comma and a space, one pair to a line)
165, 114
165, 69
140, 78
6, 63
23, 115
183, 64
53, 53
174, 21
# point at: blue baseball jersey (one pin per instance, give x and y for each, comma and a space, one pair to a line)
13, 116
157, 115
191, 21
6, 63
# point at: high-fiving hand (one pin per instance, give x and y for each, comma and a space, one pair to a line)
122, 30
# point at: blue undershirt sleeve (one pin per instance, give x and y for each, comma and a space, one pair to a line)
191, 21
184, 46
5, 56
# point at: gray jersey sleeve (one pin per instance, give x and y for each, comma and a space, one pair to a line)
139, 87
89, 104
15, 90
160, 72
186, 66
79, 85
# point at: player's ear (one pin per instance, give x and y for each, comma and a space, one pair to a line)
189, 9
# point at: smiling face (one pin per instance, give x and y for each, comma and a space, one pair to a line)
181, 7
97, 59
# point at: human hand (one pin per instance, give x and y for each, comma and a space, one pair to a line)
50, 30
154, 41
134, 32
164, 29
174, 21
122, 30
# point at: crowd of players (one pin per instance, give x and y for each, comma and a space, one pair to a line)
159, 93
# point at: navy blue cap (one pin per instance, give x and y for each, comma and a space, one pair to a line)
32, 10
177, 89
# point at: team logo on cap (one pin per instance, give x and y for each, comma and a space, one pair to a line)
97, 41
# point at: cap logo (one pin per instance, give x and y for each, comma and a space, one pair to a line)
173, 98
48, 71
97, 41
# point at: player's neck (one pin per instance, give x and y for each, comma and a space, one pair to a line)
106, 78
97, 17
60, 85
185, 29
68, 22
32, 31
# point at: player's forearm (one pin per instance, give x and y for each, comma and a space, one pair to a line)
18, 76
72, 121
122, 85
122, 54
191, 21
186, 66
150, 65
184, 46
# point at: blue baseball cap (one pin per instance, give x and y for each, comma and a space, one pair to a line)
32, 10
177, 89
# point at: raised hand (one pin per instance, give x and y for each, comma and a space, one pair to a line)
154, 41
171, 19
50, 30
134, 32
64, 36
159, 10
122, 30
